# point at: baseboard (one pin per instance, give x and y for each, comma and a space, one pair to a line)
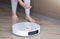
45, 17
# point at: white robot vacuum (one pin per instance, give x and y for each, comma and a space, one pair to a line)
25, 29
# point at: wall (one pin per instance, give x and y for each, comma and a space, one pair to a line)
50, 8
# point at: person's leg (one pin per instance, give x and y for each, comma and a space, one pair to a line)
14, 6
26, 5
27, 11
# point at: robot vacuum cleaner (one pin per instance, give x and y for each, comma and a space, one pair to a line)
25, 29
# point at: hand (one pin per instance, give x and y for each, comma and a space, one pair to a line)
16, 0
24, 5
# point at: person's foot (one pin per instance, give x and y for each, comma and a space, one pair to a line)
14, 19
28, 18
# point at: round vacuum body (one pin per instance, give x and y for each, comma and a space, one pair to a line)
25, 29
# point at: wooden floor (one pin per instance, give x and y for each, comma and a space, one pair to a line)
49, 30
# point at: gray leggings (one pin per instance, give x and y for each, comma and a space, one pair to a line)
14, 5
